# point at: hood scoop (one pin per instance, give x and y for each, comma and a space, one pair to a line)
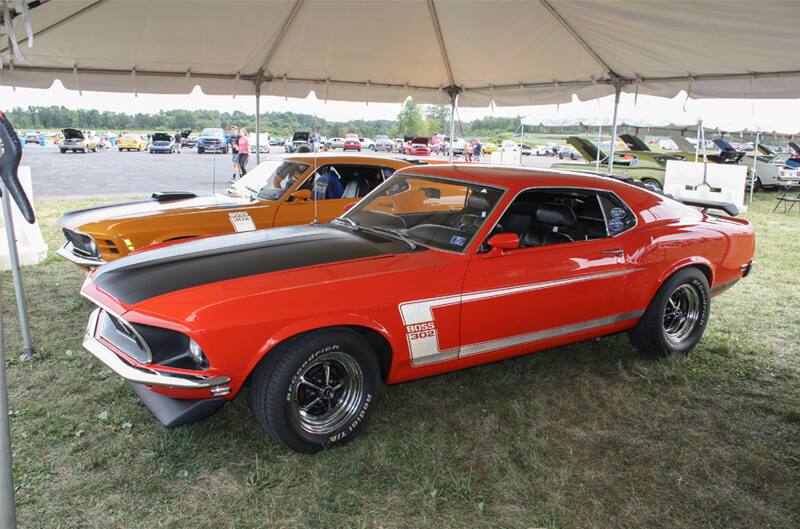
168, 196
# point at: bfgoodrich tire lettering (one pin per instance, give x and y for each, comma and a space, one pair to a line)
316, 390
677, 316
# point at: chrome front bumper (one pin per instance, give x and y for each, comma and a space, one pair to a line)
67, 253
148, 377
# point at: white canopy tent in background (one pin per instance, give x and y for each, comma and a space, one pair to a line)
503, 52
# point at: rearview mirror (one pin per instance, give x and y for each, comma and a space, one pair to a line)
503, 242
301, 195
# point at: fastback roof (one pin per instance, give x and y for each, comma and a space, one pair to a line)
512, 52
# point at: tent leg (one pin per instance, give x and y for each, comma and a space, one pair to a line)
599, 140
8, 514
617, 90
755, 158
452, 125
258, 121
28, 351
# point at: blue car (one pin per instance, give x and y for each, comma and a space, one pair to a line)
212, 140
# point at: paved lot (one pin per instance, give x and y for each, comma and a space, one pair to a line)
113, 173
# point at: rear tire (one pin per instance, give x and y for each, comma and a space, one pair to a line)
651, 184
677, 316
316, 390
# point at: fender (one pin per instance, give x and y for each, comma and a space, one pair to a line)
683, 263
312, 324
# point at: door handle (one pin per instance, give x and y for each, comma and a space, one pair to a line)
617, 252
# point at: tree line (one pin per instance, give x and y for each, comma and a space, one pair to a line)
412, 119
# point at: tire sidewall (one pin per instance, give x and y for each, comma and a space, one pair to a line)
697, 280
291, 367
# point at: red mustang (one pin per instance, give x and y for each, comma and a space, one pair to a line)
418, 146
439, 268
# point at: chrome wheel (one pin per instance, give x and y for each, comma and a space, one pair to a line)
327, 392
681, 313
652, 185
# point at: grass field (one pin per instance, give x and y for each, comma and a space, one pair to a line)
586, 436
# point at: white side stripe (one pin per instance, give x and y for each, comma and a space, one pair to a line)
421, 332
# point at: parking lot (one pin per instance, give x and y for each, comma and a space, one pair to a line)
112, 173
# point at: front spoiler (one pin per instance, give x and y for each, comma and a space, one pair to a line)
176, 412
148, 377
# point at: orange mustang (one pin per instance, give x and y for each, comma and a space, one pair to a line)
279, 192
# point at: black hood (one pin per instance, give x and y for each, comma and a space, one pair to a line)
72, 134
301, 136
162, 136
155, 272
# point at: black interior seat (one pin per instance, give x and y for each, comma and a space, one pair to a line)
550, 225
473, 214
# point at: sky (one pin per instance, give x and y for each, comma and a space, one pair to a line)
781, 115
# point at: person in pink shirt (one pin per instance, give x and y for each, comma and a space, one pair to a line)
244, 151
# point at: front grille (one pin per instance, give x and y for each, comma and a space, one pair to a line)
81, 244
120, 334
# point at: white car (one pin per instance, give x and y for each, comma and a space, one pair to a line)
508, 146
367, 143
459, 146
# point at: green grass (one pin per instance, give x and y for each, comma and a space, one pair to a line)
586, 436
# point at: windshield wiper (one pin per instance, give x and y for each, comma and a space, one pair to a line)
395, 234
350, 222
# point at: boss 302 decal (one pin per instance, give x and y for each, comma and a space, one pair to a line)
423, 340
241, 221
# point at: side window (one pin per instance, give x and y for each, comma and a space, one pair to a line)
542, 217
618, 217
336, 181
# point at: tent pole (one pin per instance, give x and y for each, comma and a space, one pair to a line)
599, 139
8, 514
453, 98
617, 90
258, 120
755, 158
697, 145
28, 351
522, 142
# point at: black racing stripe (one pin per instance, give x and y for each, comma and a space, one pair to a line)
152, 273
76, 212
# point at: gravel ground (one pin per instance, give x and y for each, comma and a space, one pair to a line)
113, 173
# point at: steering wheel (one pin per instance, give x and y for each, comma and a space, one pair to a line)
9, 164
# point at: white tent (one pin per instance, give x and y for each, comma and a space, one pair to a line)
505, 51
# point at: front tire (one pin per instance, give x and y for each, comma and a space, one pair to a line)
677, 316
652, 185
317, 390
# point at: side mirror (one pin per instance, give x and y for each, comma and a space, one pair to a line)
301, 195
503, 242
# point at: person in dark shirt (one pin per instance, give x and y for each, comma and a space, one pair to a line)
235, 151
178, 140
327, 186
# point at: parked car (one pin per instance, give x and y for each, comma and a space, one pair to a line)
212, 140
383, 143
31, 137
568, 151
189, 142
398, 145
277, 192
488, 148
276, 142
162, 142
509, 146
441, 268
367, 143
525, 150
351, 143
334, 143
301, 141
76, 141
418, 146
132, 142
459, 146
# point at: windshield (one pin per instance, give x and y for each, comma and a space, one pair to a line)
432, 212
212, 132
269, 180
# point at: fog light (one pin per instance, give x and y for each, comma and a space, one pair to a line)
197, 355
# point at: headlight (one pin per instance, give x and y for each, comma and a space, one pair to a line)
197, 355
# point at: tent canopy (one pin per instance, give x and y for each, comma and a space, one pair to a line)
509, 52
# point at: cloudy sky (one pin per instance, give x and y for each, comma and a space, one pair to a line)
768, 114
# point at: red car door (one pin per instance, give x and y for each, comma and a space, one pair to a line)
568, 282
535, 294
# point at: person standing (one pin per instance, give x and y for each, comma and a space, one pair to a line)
235, 151
476, 153
314, 141
244, 151
178, 140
